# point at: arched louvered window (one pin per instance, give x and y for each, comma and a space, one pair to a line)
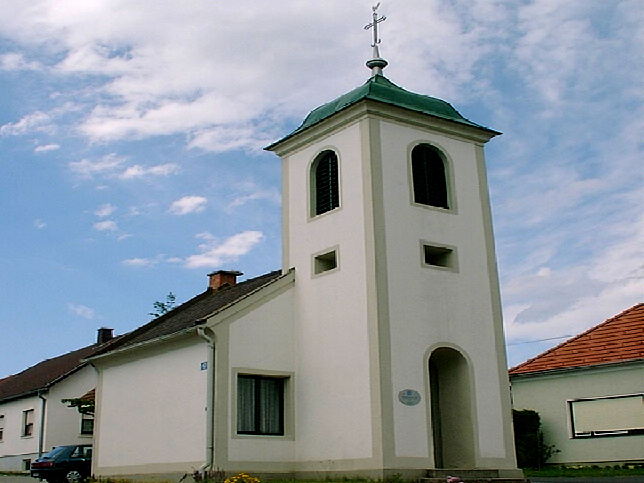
429, 177
326, 193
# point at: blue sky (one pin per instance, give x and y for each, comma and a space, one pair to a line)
131, 136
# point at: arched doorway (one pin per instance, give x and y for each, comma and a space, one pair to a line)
451, 409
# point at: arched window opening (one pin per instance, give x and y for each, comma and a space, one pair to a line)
429, 177
325, 183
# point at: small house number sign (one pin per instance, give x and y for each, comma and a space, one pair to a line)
409, 397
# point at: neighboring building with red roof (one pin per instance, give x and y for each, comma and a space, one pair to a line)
589, 392
33, 418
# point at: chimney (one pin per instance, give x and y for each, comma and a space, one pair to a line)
104, 335
223, 278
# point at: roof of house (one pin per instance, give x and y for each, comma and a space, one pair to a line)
43, 375
379, 88
618, 339
192, 312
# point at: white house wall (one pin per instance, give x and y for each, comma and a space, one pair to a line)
62, 423
14, 447
259, 342
151, 410
548, 394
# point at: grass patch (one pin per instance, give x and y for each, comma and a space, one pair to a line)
586, 471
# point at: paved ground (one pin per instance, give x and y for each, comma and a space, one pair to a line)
17, 479
618, 479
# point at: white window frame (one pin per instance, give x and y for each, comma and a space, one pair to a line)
28, 423
606, 416
83, 418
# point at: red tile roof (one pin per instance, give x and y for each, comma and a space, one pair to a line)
618, 339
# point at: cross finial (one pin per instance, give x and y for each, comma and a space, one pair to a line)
376, 64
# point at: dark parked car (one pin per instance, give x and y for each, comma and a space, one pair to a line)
70, 464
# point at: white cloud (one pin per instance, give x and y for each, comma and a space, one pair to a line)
106, 165
106, 225
47, 147
214, 254
269, 195
81, 310
565, 177
40, 224
558, 301
105, 210
138, 171
188, 204
37, 121
15, 61
141, 262
114, 166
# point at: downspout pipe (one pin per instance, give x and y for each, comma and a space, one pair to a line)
210, 398
41, 429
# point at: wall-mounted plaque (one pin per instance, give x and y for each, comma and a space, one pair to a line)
409, 397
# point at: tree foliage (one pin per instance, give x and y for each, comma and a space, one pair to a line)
161, 308
531, 450
83, 405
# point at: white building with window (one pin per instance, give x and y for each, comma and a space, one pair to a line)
33, 418
589, 393
377, 349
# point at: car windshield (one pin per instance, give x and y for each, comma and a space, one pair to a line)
54, 452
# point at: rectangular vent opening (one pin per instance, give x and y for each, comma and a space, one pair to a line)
439, 256
325, 262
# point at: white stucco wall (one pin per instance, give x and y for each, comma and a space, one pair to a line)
261, 342
15, 447
63, 422
430, 307
151, 409
332, 332
548, 394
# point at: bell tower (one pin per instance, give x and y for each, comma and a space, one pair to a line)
400, 349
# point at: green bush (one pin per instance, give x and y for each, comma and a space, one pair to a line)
531, 450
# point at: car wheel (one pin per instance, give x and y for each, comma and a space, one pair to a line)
74, 476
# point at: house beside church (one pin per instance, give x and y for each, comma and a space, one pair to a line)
589, 393
33, 418
378, 347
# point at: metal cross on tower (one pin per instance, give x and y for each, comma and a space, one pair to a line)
376, 64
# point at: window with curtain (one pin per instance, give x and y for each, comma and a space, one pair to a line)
326, 189
429, 177
260, 405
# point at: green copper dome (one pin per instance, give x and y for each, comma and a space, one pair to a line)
379, 88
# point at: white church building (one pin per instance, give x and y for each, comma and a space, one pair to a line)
376, 350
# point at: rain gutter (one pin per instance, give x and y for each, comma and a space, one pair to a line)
210, 398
